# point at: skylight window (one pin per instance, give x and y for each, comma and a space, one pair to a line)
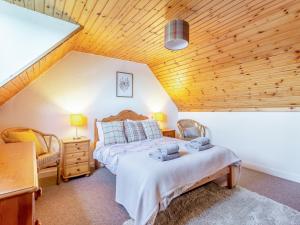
26, 36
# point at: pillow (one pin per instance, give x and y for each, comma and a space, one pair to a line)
27, 136
151, 129
134, 131
100, 134
190, 132
113, 132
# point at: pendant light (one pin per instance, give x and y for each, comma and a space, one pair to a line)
176, 34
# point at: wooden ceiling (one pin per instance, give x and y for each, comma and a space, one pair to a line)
243, 55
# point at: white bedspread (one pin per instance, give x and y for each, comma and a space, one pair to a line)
109, 155
144, 186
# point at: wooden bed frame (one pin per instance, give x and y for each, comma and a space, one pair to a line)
230, 171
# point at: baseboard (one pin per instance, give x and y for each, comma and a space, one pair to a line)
285, 175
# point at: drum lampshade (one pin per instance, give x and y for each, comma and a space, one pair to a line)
176, 34
77, 120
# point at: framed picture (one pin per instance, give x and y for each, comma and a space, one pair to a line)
124, 85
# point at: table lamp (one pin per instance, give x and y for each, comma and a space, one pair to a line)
77, 120
159, 117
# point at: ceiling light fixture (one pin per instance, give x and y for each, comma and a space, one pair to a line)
176, 34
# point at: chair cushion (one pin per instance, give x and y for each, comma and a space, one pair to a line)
134, 131
113, 132
151, 129
191, 132
47, 160
27, 136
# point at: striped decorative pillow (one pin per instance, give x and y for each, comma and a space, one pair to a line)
113, 132
134, 131
151, 129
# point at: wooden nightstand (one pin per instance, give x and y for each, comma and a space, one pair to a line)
168, 133
75, 159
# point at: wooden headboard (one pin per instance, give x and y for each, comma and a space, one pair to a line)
123, 115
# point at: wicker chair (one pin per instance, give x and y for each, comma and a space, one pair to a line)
49, 162
188, 123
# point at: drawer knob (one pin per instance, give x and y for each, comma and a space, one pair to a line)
78, 148
78, 158
78, 169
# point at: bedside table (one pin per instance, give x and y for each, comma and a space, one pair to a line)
75, 158
168, 133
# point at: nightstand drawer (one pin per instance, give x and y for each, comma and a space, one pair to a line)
76, 155
76, 160
169, 133
76, 147
75, 170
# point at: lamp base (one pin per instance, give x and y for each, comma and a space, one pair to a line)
76, 137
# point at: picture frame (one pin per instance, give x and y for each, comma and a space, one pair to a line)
124, 84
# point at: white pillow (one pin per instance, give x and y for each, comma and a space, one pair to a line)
100, 143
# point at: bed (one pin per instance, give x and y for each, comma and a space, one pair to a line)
145, 186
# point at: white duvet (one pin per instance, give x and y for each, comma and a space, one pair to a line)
109, 155
144, 186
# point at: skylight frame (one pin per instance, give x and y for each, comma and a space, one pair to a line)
70, 32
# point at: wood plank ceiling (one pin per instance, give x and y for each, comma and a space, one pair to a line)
243, 55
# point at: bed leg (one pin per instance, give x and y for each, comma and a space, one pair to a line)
229, 178
96, 164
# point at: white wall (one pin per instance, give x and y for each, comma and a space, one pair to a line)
265, 141
84, 83
25, 36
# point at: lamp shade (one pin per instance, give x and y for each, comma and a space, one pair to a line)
77, 120
176, 34
159, 116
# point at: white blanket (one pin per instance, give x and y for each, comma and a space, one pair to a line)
144, 186
109, 155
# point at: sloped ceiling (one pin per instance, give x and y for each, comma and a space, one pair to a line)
243, 55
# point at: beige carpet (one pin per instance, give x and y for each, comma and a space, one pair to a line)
90, 200
214, 205
81, 201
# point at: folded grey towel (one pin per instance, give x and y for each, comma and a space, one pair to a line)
194, 148
169, 149
158, 156
201, 141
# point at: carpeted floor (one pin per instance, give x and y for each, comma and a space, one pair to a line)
215, 205
90, 200
81, 201
280, 190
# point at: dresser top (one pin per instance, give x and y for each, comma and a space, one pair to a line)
72, 140
18, 169
167, 129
